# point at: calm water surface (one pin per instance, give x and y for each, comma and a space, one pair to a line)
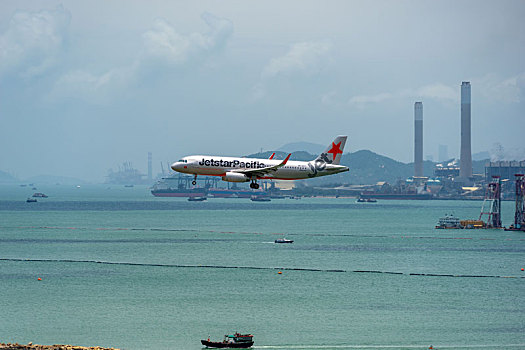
122, 268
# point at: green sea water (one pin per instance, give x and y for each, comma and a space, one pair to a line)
122, 268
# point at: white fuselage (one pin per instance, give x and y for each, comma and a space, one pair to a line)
220, 166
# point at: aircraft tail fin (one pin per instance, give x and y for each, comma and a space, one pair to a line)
332, 154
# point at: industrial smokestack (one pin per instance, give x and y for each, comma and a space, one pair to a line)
418, 139
465, 160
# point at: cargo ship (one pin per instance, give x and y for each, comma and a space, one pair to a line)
171, 187
179, 187
418, 196
232, 193
171, 192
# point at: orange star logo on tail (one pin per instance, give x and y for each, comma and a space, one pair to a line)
335, 150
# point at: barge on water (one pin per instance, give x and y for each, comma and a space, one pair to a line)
452, 222
233, 341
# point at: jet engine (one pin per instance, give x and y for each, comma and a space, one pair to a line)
231, 176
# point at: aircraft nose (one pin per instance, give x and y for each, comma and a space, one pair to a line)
175, 166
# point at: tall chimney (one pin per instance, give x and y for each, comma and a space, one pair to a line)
418, 139
465, 160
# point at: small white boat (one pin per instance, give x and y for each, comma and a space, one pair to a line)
283, 240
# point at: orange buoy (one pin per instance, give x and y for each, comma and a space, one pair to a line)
280, 273
522, 269
39, 279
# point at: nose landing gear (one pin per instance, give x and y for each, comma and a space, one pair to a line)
254, 185
194, 182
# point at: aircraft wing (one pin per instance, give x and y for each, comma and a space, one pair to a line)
263, 171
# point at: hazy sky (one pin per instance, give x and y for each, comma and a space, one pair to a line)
87, 85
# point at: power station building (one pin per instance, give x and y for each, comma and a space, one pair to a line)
504, 169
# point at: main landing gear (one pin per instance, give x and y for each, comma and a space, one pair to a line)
194, 182
254, 185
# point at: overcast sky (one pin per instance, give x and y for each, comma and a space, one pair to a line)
87, 85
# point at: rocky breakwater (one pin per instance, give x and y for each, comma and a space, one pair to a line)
31, 346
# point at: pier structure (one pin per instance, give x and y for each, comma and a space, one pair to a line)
493, 202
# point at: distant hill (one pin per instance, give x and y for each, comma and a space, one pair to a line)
481, 156
299, 155
6, 177
312, 148
366, 167
51, 179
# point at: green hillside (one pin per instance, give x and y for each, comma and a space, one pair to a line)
366, 167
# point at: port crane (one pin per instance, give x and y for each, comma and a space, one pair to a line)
493, 203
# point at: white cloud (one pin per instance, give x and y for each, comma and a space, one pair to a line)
95, 88
164, 42
497, 89
302, 60
33, 41
492, 87
329, 98
365, 99
436, 91
305, 58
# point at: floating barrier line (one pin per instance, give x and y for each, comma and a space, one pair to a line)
257, 233
440, 346
256, 268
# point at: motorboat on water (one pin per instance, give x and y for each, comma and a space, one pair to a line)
197, 199
366, 200
283, 240
234, 341
260, 199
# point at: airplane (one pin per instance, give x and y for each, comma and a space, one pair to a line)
237, 169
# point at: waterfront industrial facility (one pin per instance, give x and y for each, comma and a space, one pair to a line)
448, 179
